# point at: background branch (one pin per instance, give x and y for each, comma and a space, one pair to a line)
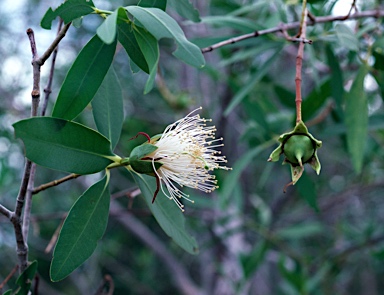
294, 25
9, 276
177, 270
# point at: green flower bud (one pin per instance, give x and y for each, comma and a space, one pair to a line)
299, 147
140, 163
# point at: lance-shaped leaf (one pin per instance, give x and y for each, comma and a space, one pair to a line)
64, 145
356, 119
26, 278
161, 25
127, 38
167, 214
107, 107
150, 49
82, 229
347, 37
84, 78
186, 9
161, 4
68, 11
107, 30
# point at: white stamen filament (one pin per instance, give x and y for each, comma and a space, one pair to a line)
187, 155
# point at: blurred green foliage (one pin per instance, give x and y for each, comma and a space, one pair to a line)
323, 236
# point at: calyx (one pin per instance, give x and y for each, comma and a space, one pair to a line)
299, 147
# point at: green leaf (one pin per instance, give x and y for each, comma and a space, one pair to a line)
286, 97
307, 191
107, 107
294, 277
378, 54
25, 279
68, 11
8, 292
250, 262
84, 78
260, 47
161, 25
142, 150
233, 179
107, 30
166, 212
337, 87
316, 99
150, 49
82, 229
356, 119
347, 37
237, 23
314, 282
379, 77
186, 9
161, 4
245, 90
300, 231
143, 166
77, 22
128, 40
64, 145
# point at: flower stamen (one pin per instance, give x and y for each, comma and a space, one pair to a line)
187, 152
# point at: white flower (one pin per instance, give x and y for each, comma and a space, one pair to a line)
187, 151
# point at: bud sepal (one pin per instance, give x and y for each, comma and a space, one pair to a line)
140, 163
299, 147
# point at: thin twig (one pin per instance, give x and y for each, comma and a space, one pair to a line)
106, 284
9, 276
6, 212
37, 62
54, 44
321, 116
52, 241
21, 246
36, 74
342, 255
130, 193
54, 183
48, 88
350, 10
295, 25
36, 289
28, 203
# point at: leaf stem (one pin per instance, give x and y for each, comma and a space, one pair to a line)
121, 163
102, 12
